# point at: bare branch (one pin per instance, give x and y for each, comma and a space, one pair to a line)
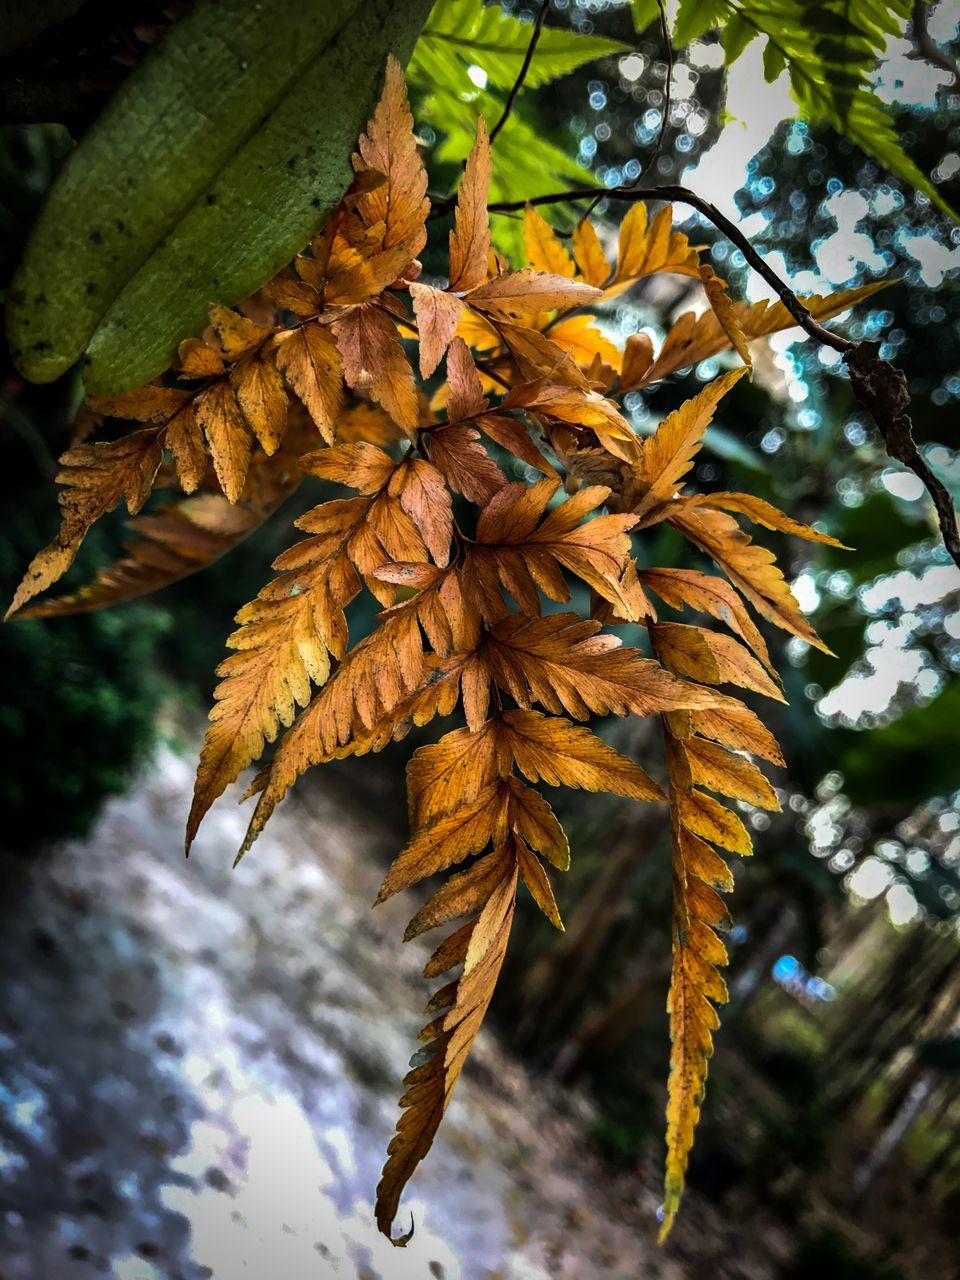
926, 46
525, 67
878, 385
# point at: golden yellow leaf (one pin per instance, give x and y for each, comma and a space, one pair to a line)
552, 750
710, 820
711, 657
765, 513
737, 726
95, 477
591, 260
694, 338
687, 588
436, 1069
647, 249
751, 568
367, 423
451, 838
185, 442
236, 334
718, 769
535, 822
563, 663
262, 399
227, 435
668, 454
726, 312
580, 336
535, 878
196, 359
545, 250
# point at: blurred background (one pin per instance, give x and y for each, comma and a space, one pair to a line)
198, 1068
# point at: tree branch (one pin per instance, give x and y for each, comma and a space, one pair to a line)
525, 67
878, 385
926, 47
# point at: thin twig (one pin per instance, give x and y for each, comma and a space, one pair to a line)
683, 195
878, 385
665, 119
525, 67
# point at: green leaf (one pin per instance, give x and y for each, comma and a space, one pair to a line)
694, 17
214, 163
466, 33
830, 49
644, 12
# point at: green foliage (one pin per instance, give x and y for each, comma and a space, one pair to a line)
78, 709
465, 35
233, 142
830, 51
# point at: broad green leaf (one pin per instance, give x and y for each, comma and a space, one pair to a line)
213, 164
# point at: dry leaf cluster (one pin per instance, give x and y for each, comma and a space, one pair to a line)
314, 378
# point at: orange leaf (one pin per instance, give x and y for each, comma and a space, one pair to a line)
438, 315
565, 665
373, 361
751, 568
710, 657
465, 464
466, 398
309, 360
513, 295
765, 513
228, 437
389, 146
725, 312
470, 237
94, 477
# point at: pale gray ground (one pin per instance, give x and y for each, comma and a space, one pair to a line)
200, 1070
